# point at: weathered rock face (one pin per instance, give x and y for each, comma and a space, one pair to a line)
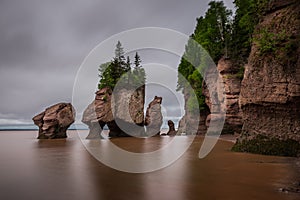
128, 112
172, 130
98, 113
232, 85
128, 105
124, 109
154, 118
270, 92
231, 77
54, 121
192, 123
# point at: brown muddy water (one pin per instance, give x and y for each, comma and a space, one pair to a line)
64, 169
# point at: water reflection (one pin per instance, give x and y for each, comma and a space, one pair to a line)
63, 169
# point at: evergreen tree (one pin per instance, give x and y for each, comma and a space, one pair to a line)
189, 61
111, 72
128, 65
245, 19
220, 36
139, 75
106, 79
119, 53
127, 77
119, 69
213, 30
212, 33
137, 61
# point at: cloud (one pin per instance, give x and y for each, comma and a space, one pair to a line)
11, 118
43, 43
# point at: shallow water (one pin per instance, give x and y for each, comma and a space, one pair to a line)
63, 169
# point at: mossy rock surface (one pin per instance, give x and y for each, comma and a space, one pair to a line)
268, 146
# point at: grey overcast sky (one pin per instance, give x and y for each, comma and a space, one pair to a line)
43, 43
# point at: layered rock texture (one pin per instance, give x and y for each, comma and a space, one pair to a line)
231, 76
121, 111
98, 113
54, 121
154, 118
270, 92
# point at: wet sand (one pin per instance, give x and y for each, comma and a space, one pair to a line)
63, 169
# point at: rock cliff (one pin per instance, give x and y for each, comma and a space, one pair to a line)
270, 92
231, 76
54, 121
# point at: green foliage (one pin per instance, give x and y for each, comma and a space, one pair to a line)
221, 35
104, 98
111, 72
192, 104
189, 77
196, 102
119, 69
248, 14
269, 42
119, 52
268, 146
138, 73
212, 33
127, 65
185, 68
240, 73
105, 74
213, 30
261, 6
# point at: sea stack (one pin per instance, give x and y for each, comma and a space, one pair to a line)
121, 111
172, 131
54, 121
154, 118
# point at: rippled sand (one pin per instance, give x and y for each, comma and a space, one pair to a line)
63, 169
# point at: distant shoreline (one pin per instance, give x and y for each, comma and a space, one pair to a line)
32, 127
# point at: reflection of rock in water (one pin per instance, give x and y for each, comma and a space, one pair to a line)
154, 119
54, 121
122, 112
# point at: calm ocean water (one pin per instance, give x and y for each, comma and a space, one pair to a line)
63, 169
34, 127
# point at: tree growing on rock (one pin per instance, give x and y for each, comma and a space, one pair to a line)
212, 32
221, 35
139, 75
119, 69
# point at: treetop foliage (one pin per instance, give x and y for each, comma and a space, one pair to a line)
119, 69
222, 35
